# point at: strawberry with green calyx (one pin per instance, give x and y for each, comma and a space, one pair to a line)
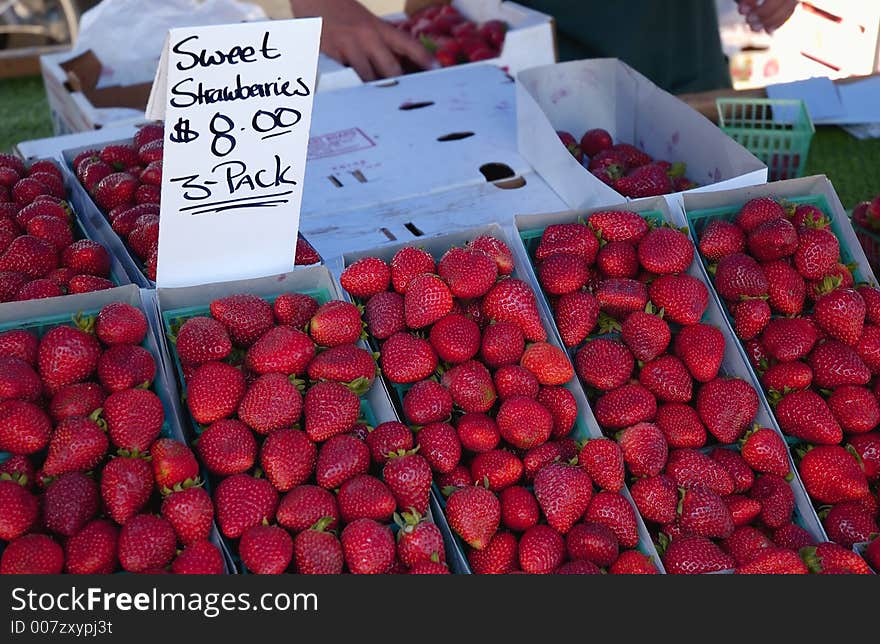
303, 506
190, 512
564, 493
134, 418
266, 549
691, 468
214, 392
282, 349
474, 513
198, 558
348, 364
271, 402
849, 523
77, 444
826, 556
499, 557
174, 465
126, 485
418, 539
776, 498
317, 551
339, 459
368, 547
242, 501
468, 272
246, 317
616, 513
832, 474
571, 144
365, 497
408, 474
329, 409
366, 277
541, 550
766, 452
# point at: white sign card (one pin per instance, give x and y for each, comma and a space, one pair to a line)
237, 104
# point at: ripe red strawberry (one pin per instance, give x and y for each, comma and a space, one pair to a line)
201, 340
777, 500
152, 176
305, 505
759, 211
151, 151
134, 418
721, 238
592, 542
282, 349
87, 257
618, 297
548, 363
774, 561
32, 554
632, 156
570, 143
872, 554
831, 474
366, 277
174, 465
644, 449
867, 446
668, 379
368, 547
126, 485
497, 469
271, 402
817, 253
564, 493
438, 443
474, 513
690, 468
645, 181
738, 276
827, 556
341, 458
51, 229
455, 338
805, 415
418, 540
575, 239
835, 364
785, 287
786, 377
502, 344
701, 348
227, 447
427, 299
656, 498
266, 549
499, 557
727, 406
19, 381
21, 344
604, 364
31, 256
563, 273
541, 550
683, 298
246, 317
148, 133
614, 512
468, 272
471, 387
746, 544
732, 461
199, 558
427, 402
191, 513
856, 409
618, 225
317, 551
365, 496
214, 392
633, 562
294, 309
114, 189
704, 513
850, 523
594, 141
871, 296
76, 444
67, 355
868, 348
841, 313
330, 409
20, 509
681, 425
497, 250
26, 190
665, 250
561, 404
788, 339
477, 432
602, 459
511, 300
384, 315
125, 366
39, 289
146, 542
519, 508
773, 240
242, 501
405, 359
288, 458
625, 406
765, 451
618, 259
523, 422
92, 550
120, 323
120, 156
88, 284
409, 262
388, 437
645, 334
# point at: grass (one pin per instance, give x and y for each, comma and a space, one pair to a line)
24, 111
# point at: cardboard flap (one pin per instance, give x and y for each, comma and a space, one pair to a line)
83, 72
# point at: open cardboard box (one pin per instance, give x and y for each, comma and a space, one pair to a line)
606, 93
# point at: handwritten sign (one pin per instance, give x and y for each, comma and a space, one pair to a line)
237, 105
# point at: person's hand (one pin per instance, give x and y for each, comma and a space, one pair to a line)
767, 15
355, 37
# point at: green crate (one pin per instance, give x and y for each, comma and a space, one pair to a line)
776, 131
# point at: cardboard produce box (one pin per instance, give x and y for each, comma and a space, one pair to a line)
608, 94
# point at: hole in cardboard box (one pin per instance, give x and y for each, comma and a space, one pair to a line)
415, 230
336, 182
387, 83
388, 234
496, 171
511, 184
455, 136
357, 174
415, 106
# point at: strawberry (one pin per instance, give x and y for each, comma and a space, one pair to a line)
618, 225
191, 513
477, 432
831, 474
746, 544
785, 287
214, 392
772, 240
317, 551
742, 475
668, 379
683, 298
115, 189
625, 406
271, 402
468, 271
856, 409
266, 549
305, 505
571, 145
633, 562
561, 404
92, 550
288, 458
294, 309
701, 348
242, 501
70, 502
341, 458
384, 315
368, 547
282, 349
125, 366
523, 422
745, 511
227, 447
18, 380
759, 211
365, 496
594, 141
519, 508
418, 540
703, 513
92, 171
439, 445
18, 468
805, 415
10, 284
388, 437
246, 317
201, 340
608, 160
32, 554
562, 273
871, 297
776, 498
808, 216
511, 300
405, 359
120, 323
604, 364
738, 276
656, 498
765, 451
835, 364
199, 558
690, 468
665, 251
51, 229
817, 253
87, 257
603, 460
26, 190
330, 409
872, 554
721, 238
151, 151
427, 299
564, 493
632, 156
841, 313
644, 449
67, 355
497, 469
592, 542
849, 523
827, 556
868, 347
147, 133
471, 387
548, 363
39, 289
474, 513
645, 334
614, 512
126, 485
498, 557
681, 425
151, 175
497, 250
366, 277
13, 162
788, 339
786, 377
120, 156
146, 542
502, 344
618, 259
427, 402
867, 446
21, 344
20, 509
76, 444
541, 550
32, 256
645, 181
574, 239
774, 561
134, 418
408, 263
727, 407
619, 297
455, 338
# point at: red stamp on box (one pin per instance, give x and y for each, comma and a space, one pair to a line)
337, 143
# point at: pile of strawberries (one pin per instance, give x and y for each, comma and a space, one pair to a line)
282, 493
628, 169
485, 395
39, 255
452, 38
681, 428
813, 336
867, 214
125, 181
88, 485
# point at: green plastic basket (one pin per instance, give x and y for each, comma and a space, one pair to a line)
777, 131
